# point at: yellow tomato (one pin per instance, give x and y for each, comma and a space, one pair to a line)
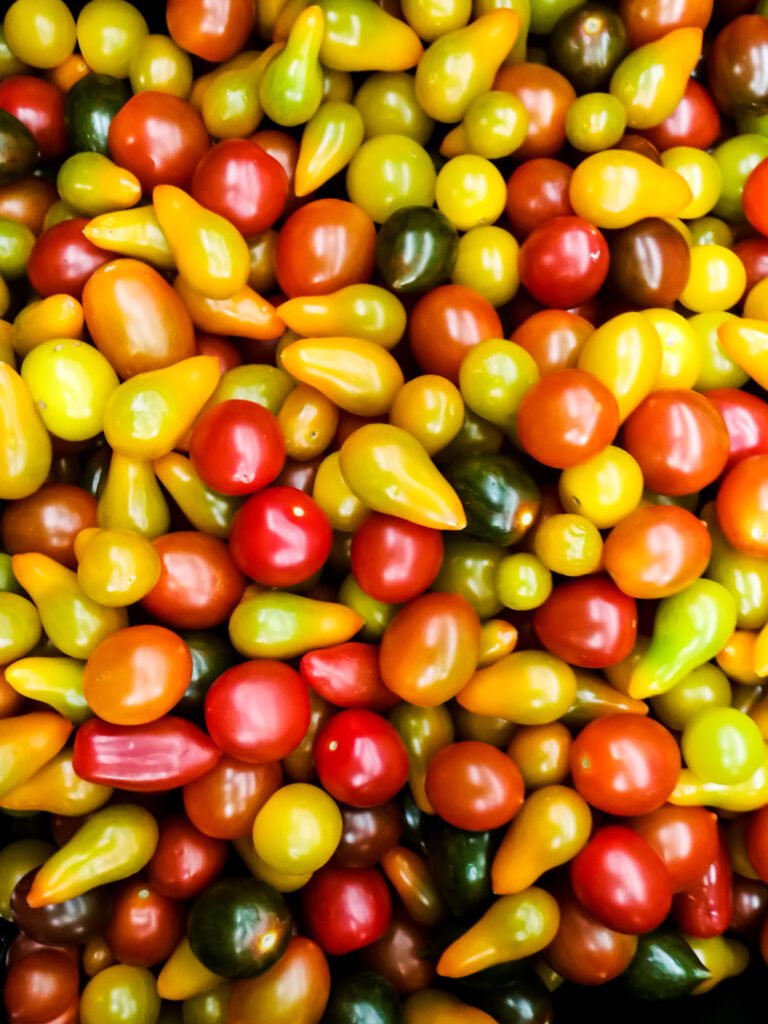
486, 262
470, 191
569, 544
604, 489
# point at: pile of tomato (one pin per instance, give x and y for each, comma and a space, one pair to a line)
383, 507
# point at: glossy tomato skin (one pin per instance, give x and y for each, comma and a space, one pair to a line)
360, 758
43, 986
237, 447
445, 323
62, 259
145, 927
620, 879
394, 560
742, 506
695, 121
368, 833
564, 262
587, 622
28, 201
685, 838
474, 786
323, 246
258, 711
348, 675
238, 180
212, 29
48, 522
537, 192
757, 842
159, 137
746, 420
39, 106
224, 802
625, 764
280, 537
346, 908
186, 860
705, 909
199, 584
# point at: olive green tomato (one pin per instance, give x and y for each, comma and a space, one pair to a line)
469, 568
737, 158
595, 121
120, 995
723, 745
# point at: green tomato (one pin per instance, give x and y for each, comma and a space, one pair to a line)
523, 582
706, 687
120, 995
737, 158
376, 614
469, 568
388, 106
16, 241
723, 745
717, 369
595, 121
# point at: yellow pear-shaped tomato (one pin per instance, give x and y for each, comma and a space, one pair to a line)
207, 510
275, 624
243, 315
54, 681
117, 567
20, 627
136, 233
333, 494
746, 343
25, 446
57, 789
283, 881
28, 742
92, 184
362, 36
183, 976
329, 141
132, 498
58, 316
431, 409
494, 378
693, 791
391, 472
625, 354
527, 687
230, 106
359, 311
433, 1006
356, 375
210, 253
291, 88
680, 349
651, 80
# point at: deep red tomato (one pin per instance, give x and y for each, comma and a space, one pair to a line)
28, 200
746, 420
679, 440
62, 259
186, 860
757, 842
237, 447
212, 29
546, 96
145, 927
224, 802
280, 537
323, 246
401, 956
39, 106
622, 881
742, 506
587, 622
753, 253
346, 908
159, 137
199, 583
567, 417
705, 909
750, 902
237, 179
285, 149
348, 676
212, 345
258, 711
42, 987
360, 758
625, 764
695, 121
445, 323
368, 833
554, 338
564, 262
537, 191
394, 560
48, 522
754, 198
474, 786
684, 837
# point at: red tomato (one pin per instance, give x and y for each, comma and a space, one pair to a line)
323, 246
755, 198
746, 420
360, 758
750, 901
445, 323
546, 96
757, 842
285, 149
62, 259
625, 764
753, 253
48, 522
237, 179
368, 833
211, 345
258, 711
679, 440
622, 881
537, 191
39, 106
212, 29
684, 837
42, 988
566, 418
237, 447
346, 908
394, 560
587, 622
554, 338
224, 802
564, 262
280, 537
695, 121
145, 927
199, 583
657, 551
474, 786
348, 675
186, 860
159, 137
742, 506
705, 909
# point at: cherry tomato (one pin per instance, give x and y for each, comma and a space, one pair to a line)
145, 927
199, 583
554, 338
564, 262
28, 201
742, 506
348, 675
537, 192
695, 121
258, 711
41, 987
48, 521
474, 786
224, 802
285, 149
445, 323
546, 96
368, 833
62, 259
212, 29
753, 253
159, 137
746, 420
679, 439
280, 537
240, 181
684, 837
753, 197
394, 560
360, 758
346, 908
40, 108
186, 860
567, 417
704, 910
587, 622
621, 880
237, 447
584, 951
323, 246
625, 764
